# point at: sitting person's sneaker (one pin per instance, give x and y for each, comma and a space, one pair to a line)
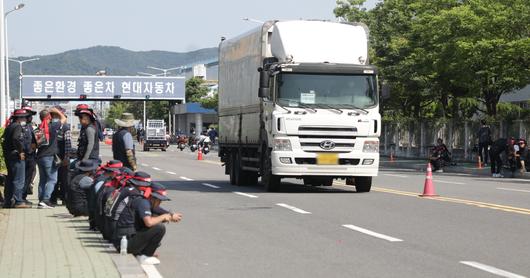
22, 206
143, 259
44, 205
29, 203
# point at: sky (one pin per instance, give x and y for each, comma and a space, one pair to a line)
53, 26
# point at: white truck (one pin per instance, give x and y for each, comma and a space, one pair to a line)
299, 99
155, 135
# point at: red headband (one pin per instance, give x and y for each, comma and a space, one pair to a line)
115, 165
147, 190
142, 179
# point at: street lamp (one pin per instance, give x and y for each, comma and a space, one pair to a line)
6, 57
253, 20
21, 74
149, 74
165, 71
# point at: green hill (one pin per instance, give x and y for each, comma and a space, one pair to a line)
116, 60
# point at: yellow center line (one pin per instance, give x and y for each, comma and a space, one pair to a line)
454, 200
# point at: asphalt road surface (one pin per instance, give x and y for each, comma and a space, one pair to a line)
478, 227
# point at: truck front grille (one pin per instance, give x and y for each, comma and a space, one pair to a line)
343, 138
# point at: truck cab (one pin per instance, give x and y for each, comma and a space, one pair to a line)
155, 135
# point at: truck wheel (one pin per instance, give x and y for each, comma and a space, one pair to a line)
146, 149
271, 182
363, 184
231, 169
164, 149
242, 177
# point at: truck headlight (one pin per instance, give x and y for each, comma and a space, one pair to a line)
282, 145
371, 147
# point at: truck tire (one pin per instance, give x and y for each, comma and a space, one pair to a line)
271, 182
363, 184
241, 176
231, 169
146, 149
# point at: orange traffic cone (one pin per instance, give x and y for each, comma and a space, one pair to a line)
199, 154
479, 162
428, 188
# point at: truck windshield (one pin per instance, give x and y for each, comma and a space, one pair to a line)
326, 90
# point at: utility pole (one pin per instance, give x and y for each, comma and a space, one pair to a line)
3, 106
6, 55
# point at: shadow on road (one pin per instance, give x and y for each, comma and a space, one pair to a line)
225, 187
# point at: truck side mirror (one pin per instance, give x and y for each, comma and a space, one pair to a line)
264, 77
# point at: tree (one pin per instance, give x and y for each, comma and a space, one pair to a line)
440, 57
116, 109
210, 102
195, 90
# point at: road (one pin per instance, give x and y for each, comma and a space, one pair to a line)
478, 227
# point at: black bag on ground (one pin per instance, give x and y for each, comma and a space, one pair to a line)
76, 202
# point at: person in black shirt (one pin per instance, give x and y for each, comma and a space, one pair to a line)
141, 222
47, 156
499, 147
13, 147
30, 149
64, 147
88, 144
484, 141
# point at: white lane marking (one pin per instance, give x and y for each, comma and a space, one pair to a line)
210, 185
154, 168
186, 179
449, 182
295, 209
171, 173
371, 233
513, 189
396, 176
151, 271
145, 165
245, 194
492, 270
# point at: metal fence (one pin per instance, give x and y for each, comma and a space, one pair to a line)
415, 139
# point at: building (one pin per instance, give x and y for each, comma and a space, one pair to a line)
192, 117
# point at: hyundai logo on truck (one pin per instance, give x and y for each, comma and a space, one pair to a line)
327, 145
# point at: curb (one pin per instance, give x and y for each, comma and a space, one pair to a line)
128, 266
451, 169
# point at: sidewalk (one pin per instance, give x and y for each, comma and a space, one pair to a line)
52, 243
461, 168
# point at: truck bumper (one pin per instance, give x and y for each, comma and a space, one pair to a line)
310, 168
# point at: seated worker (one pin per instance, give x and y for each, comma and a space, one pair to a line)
104, 201
141, 220
103, 175
440, 156
76, 202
